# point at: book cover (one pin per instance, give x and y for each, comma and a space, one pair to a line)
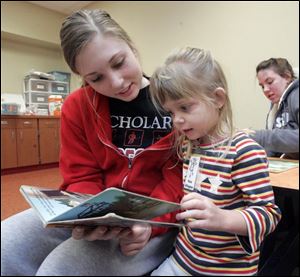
113, 207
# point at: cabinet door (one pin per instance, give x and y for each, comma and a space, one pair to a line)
8, 144
49, 140
27, 142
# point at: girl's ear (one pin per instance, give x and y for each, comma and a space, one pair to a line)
220, 97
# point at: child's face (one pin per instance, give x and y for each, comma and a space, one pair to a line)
110, 67
193, 118
272, 84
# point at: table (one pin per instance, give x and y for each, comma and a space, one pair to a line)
288, 179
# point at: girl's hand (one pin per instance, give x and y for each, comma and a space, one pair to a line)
134, 241
98, 233
200, 212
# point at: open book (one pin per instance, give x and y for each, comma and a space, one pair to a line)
111, 207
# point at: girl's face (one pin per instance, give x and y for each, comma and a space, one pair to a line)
110, 67
193, 118
272, 84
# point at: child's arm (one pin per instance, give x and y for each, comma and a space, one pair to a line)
206, 215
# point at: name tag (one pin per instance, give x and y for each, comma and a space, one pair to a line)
192, 172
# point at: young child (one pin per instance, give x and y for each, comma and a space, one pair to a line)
228, 207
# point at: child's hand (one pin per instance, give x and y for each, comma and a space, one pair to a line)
135, 240
200, 212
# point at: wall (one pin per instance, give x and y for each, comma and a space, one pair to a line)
239, 34
29, 40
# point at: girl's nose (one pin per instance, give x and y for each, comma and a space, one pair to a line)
177, 119
266, 89
117, 81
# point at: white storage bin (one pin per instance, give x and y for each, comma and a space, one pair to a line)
36, 85
36, 97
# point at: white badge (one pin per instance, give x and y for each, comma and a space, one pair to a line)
192, 172
215, 183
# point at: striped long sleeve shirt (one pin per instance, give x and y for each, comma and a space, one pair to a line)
237, 180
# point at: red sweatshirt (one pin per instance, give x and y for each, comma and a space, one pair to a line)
90, 163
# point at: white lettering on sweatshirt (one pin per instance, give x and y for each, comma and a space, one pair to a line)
140, 122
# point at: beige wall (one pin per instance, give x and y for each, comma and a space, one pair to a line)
239, 34
29, 40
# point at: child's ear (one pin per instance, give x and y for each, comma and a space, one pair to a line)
220, 97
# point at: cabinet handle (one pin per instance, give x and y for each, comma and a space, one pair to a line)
12, 134
27, 123
4, 122
21, 134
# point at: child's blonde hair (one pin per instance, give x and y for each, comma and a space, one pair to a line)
187, 73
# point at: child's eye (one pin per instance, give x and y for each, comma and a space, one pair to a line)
185, 108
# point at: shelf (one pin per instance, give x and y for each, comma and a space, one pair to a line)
30, 41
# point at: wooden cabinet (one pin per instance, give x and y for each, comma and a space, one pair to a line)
49, 140
8, 143
27, 141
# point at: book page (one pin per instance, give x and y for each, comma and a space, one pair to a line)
122, 203
50, 203
281, 165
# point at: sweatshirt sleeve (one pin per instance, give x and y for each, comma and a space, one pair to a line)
278, 140
286, 138
169, 189
261, 214
78, 167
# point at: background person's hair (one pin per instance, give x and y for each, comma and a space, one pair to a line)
279, 65
192, 72
81, 27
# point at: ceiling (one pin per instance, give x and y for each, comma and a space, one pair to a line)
64, 7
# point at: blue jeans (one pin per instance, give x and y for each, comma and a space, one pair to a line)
28, 249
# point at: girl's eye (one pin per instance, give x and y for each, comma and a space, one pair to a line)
119, 63
185, 108
98, 78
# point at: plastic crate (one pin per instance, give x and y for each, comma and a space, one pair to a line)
61, 76
36, 85
60, 87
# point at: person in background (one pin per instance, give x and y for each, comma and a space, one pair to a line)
228, 207
280, 85
111, 136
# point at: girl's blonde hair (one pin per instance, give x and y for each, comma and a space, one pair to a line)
82, 26
187, 73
